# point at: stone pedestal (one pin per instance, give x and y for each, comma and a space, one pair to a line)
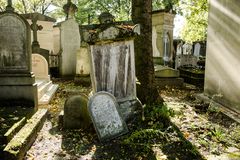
18, 89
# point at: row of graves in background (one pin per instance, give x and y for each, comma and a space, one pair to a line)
190, 61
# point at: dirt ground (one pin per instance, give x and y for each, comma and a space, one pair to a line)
212, 135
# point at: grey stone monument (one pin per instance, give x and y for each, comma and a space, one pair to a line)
103, 109
17, 82
69, 42
197, 48
113, 62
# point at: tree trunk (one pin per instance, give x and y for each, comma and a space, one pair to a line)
146, 90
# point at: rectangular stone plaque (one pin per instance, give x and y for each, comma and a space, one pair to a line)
103, 110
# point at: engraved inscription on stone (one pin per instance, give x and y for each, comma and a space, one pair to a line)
13, 53
105, 116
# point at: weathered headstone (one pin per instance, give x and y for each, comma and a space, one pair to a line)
83, 62
40, 67
70, 43
197, 48
76, 114
17, 82
179, 49
156, 52
185, 60
113, 69
83, 67
103, 109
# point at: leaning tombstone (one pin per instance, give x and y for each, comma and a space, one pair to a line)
103, 109
17, 82
112, 61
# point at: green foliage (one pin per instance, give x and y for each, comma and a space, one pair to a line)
145, 136
165, 4
196, 14
156, 113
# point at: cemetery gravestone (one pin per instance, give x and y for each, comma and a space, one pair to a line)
112, 61
197, 48
40, 67
17, 82
113, 69
70, 43
179, 49
156, 52
76, 114
103, 109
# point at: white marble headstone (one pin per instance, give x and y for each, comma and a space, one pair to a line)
103, 110
40, 67
156, 52
197, 48
70, 43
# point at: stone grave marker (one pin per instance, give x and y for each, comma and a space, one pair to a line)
17, 82
179, 49
69, 41
103, 110
40, 67
197, 48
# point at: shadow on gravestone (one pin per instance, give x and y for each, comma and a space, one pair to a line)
76, 114
107, 121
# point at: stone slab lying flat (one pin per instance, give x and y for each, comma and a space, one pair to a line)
103, 110
22, 141
166, 72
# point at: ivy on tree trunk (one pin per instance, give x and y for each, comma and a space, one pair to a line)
146, 90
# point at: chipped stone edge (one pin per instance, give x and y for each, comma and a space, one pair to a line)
22, 141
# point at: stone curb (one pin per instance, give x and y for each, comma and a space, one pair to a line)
13, 130
22, 141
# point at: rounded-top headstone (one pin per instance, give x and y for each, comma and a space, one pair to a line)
76, 114
103, 110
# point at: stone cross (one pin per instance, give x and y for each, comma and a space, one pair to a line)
69, 9
35, 27
9, 7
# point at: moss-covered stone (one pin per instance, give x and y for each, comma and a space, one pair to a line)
18, 146
14, 129
76, 114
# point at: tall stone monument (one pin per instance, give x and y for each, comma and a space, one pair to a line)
69, 41
162, 24
17, 82
112, 61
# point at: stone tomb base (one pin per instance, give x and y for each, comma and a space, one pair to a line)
46, 90
18, 89
165, 76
